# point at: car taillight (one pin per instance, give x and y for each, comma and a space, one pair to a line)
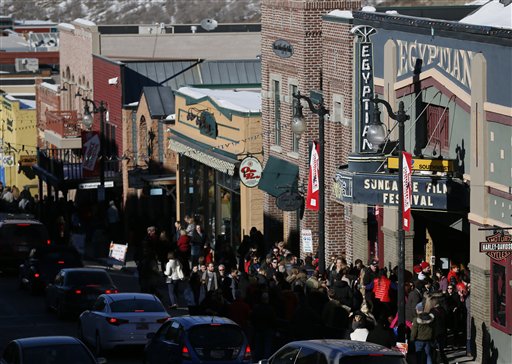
162, 320
77, 291
60, 262
23, 224
115, 321
48, 242
247, 354
36, 275
184, 353
108, 291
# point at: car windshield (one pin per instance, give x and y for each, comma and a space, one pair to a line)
137, 305
83, 278
57, 354
216, 336
372, 359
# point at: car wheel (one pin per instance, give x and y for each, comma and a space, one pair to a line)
97, 345
61, 313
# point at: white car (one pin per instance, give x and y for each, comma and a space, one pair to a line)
121, 319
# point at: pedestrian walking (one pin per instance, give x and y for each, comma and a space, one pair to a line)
174, 274
423, 334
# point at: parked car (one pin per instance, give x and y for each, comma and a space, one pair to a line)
43, 264
19, 233
334, 352
76, 289
198, 339
48, 349
121, 319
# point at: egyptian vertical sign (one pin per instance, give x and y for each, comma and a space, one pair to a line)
364, 85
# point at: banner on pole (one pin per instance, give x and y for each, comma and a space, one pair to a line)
313, 193
407, 197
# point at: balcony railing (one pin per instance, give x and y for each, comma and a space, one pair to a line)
65, 123
66, 165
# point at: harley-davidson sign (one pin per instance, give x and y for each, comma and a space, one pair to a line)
497, 246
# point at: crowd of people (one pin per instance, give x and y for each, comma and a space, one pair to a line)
277, 297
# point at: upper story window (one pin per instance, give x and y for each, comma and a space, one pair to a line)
438, 127
277, 112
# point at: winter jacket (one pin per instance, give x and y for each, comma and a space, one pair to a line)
343, 293
415, 297
423, 327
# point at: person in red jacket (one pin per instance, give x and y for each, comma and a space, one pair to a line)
381, 287
453, 275
183, 251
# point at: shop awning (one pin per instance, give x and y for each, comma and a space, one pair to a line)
204, 155
278, 176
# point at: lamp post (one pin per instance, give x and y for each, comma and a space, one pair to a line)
316, 106
377, 136
88, 120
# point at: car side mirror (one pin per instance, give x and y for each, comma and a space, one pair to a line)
101, 360
150, 335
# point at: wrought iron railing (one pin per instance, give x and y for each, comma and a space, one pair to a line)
66, 164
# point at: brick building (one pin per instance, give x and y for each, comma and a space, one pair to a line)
310, 65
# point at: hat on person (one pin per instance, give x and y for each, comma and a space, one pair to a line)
416, 269
424, 265
419, 307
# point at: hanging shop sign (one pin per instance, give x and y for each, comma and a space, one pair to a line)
428, 192
27, 160
497, 246
282, 48
250, 171
420, 164
289, 201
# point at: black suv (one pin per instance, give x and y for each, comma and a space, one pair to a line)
43, 264
19, 234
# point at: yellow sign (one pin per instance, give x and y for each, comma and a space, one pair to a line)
27, 160
419, 164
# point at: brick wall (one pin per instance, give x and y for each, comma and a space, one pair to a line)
300, 24
47, 99
480, 292
111, 95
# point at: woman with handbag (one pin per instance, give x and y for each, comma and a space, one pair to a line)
174, 274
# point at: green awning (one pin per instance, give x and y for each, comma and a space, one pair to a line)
278, 176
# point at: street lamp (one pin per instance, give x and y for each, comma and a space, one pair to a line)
316, 106
87, 121
376, 131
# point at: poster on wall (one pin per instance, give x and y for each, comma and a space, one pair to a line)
307, 241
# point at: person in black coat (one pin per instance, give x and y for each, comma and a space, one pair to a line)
343, 291
382, 334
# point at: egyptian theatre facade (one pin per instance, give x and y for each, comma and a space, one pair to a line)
453, 78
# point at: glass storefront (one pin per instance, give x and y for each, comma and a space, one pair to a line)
213, 198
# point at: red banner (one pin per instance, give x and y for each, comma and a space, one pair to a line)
90, 153
407, 197
313, 194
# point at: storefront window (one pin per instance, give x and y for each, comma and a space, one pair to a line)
501, 295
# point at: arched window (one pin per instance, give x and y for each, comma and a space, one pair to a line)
143, 137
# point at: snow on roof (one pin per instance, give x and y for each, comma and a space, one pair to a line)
242, 101
346, 14
66, 26
33, 22
24, 103
84, 22
492, 14
369, 9
50, 86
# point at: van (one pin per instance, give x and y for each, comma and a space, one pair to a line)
19, 234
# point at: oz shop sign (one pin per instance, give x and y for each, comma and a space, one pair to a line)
282, 48
428, 193
250, 171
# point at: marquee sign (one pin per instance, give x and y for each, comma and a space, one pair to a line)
497, 246
364, 80
428, 192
